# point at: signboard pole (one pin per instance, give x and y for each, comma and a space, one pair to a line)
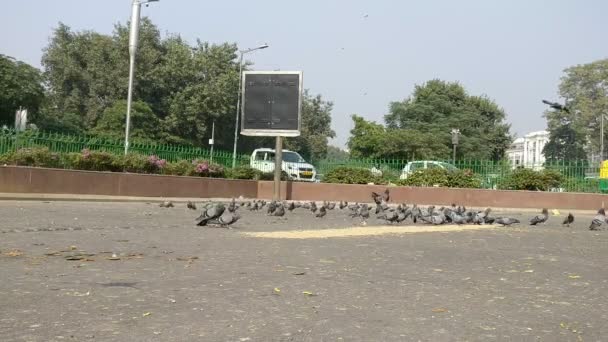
278, 168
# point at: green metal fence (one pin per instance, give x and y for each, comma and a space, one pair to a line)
578, 176
56, 142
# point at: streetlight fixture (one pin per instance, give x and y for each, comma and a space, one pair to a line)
238, 101
133, 40
455, 133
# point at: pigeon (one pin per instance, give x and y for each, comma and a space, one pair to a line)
331, 205
191, 205
166, 204
378, 209
376, 197
434, 219
480, 217
291, 206
279, 211
232, 206
391, 217
363, 212
343, 205
272, 206
401, 215
313, 207
306, 205
568, 220
226, 219
386, 195
322, 212
255, 206
506, 221
457, 219
598, 220
540, 218
353, 206
211, 211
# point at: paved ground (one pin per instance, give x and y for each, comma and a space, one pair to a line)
173, 281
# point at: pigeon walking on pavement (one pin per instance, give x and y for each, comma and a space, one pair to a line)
226, 219
210, 212
542, 218
279, 211
322, 212
506, 221
166, 204
568, 220
598, 220
191, 205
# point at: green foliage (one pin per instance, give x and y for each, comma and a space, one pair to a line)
180, 168
585, 87
20, 86
144, 124
349, 175
442, 178
336, 153
528, 179
243, 172
97, 161
419, 127
37, 156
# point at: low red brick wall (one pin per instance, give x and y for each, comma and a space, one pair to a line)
53, 181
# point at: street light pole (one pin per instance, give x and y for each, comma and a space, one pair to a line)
238, 101
133, 40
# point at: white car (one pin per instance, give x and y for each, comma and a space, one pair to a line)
293, 164
414, 166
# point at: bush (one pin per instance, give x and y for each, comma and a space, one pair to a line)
203, 168
138, 163
97, 161
37, 156
243, 172
180, 168
528, 179
443, 178
349, 175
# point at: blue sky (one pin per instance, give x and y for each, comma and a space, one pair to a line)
364, 54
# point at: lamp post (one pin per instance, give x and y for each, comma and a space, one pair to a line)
238, 101
133, 39
455, 133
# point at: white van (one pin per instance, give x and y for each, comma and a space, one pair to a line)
414, 166
293, 164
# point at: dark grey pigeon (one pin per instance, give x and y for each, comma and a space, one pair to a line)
191, 205
291, 206
343, 205
457, 219
226, 219
322, 212
313, 207
506, 221
272, 206
232, 206
363, 212
598, 220
401, 216
211, 212
378, 209
166, 204
480, 217
279, 211
542, 218
391, 216
568, 220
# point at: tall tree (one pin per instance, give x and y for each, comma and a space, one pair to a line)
437, 107
20, 86
585, 90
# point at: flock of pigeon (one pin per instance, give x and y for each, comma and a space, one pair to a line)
224, 215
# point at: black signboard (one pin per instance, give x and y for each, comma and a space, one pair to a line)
271, 103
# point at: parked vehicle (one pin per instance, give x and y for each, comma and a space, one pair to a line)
414, 166
293, 164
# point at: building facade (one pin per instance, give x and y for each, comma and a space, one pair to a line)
528, 151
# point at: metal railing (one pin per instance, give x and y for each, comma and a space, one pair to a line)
577, 176
65, 143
